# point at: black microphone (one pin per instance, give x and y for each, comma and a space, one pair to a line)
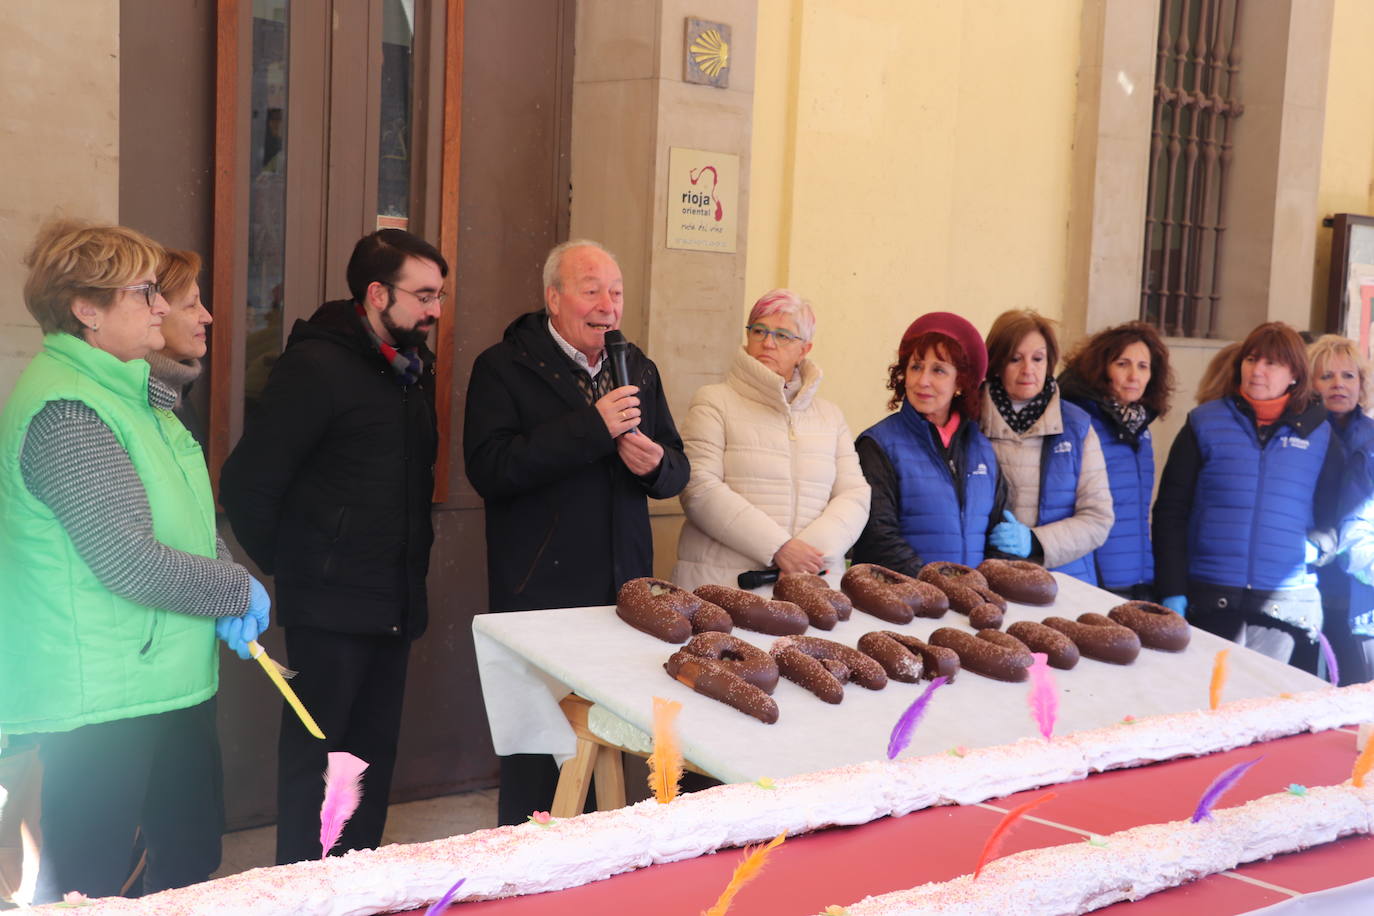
617, 349
753, 578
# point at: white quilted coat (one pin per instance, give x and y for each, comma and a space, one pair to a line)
1018, 456
765, 471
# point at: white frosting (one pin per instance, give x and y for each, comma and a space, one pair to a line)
506, 861
1080, 877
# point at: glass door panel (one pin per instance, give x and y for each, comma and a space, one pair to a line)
266, 194
394, 129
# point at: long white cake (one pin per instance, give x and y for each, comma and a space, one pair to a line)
531, 858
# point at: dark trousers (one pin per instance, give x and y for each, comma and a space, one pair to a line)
1250, 618
352, 685
1354, 653
160, 774
528, 782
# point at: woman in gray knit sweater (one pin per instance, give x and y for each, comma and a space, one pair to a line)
115, 581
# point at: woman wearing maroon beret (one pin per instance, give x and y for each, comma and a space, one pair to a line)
936, 488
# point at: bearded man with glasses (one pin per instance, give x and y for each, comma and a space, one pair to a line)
329, 491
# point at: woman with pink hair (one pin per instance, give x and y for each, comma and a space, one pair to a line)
775, 480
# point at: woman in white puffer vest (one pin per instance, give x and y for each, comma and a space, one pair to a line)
775, 479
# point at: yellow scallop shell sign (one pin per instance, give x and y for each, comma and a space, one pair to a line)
711, 53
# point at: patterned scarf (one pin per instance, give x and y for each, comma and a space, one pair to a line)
1132, 417
1023, 419
405, 363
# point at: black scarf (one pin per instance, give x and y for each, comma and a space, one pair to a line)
1023, 419
1132, 417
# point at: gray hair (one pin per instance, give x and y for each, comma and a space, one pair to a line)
553, 264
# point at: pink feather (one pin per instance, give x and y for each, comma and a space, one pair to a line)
1044, 696
901, 732
343, 789
1228, 778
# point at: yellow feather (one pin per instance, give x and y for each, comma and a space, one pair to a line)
746, 871
1218, 677
665, 763
1363, 763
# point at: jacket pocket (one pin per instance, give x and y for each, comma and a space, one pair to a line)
538, 554
150, 635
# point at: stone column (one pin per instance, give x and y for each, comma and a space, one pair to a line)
59, 141
630, 106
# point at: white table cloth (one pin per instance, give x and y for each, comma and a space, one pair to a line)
529, 660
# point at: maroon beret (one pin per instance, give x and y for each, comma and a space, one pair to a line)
960, 330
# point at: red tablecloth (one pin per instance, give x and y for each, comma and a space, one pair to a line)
844, 865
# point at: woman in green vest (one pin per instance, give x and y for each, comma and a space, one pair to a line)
115, 583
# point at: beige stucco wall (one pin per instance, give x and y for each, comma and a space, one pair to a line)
1347, 160
59, 139
906, 158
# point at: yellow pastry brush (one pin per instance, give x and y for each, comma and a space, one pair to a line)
274, 672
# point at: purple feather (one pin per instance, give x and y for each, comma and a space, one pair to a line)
1333, 672
1219, 787
442, 903
901, 732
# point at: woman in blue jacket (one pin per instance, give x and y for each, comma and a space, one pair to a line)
1121, 377
936, 488
1341, 377
1252, 479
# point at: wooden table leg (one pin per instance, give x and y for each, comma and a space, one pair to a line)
574, 779
594, 757
610, 778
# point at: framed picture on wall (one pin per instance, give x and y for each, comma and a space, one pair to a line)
1350, 292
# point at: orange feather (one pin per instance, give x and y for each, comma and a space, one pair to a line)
746, 871
665, 763
1218, 677
999, 833
1363, 763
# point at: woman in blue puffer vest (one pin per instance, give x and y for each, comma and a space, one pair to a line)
936, 488
1341, 377
1121, 378
1253, 479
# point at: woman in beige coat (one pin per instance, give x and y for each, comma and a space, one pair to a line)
775, 479
1060, 499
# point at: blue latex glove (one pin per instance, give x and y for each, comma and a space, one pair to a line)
238, 632
256, 620
1011, 536
1177, 603
230, 630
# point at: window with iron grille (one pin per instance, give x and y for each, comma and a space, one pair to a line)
1191, 150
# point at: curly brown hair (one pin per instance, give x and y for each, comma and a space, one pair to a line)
968, 401
1091, 359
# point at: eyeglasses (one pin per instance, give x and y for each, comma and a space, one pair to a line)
761, 332
422, 298
150, 290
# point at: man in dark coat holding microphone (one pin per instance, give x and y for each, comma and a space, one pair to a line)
565, 456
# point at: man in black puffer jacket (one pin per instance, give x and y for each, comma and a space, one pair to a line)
329, 491
566, 462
